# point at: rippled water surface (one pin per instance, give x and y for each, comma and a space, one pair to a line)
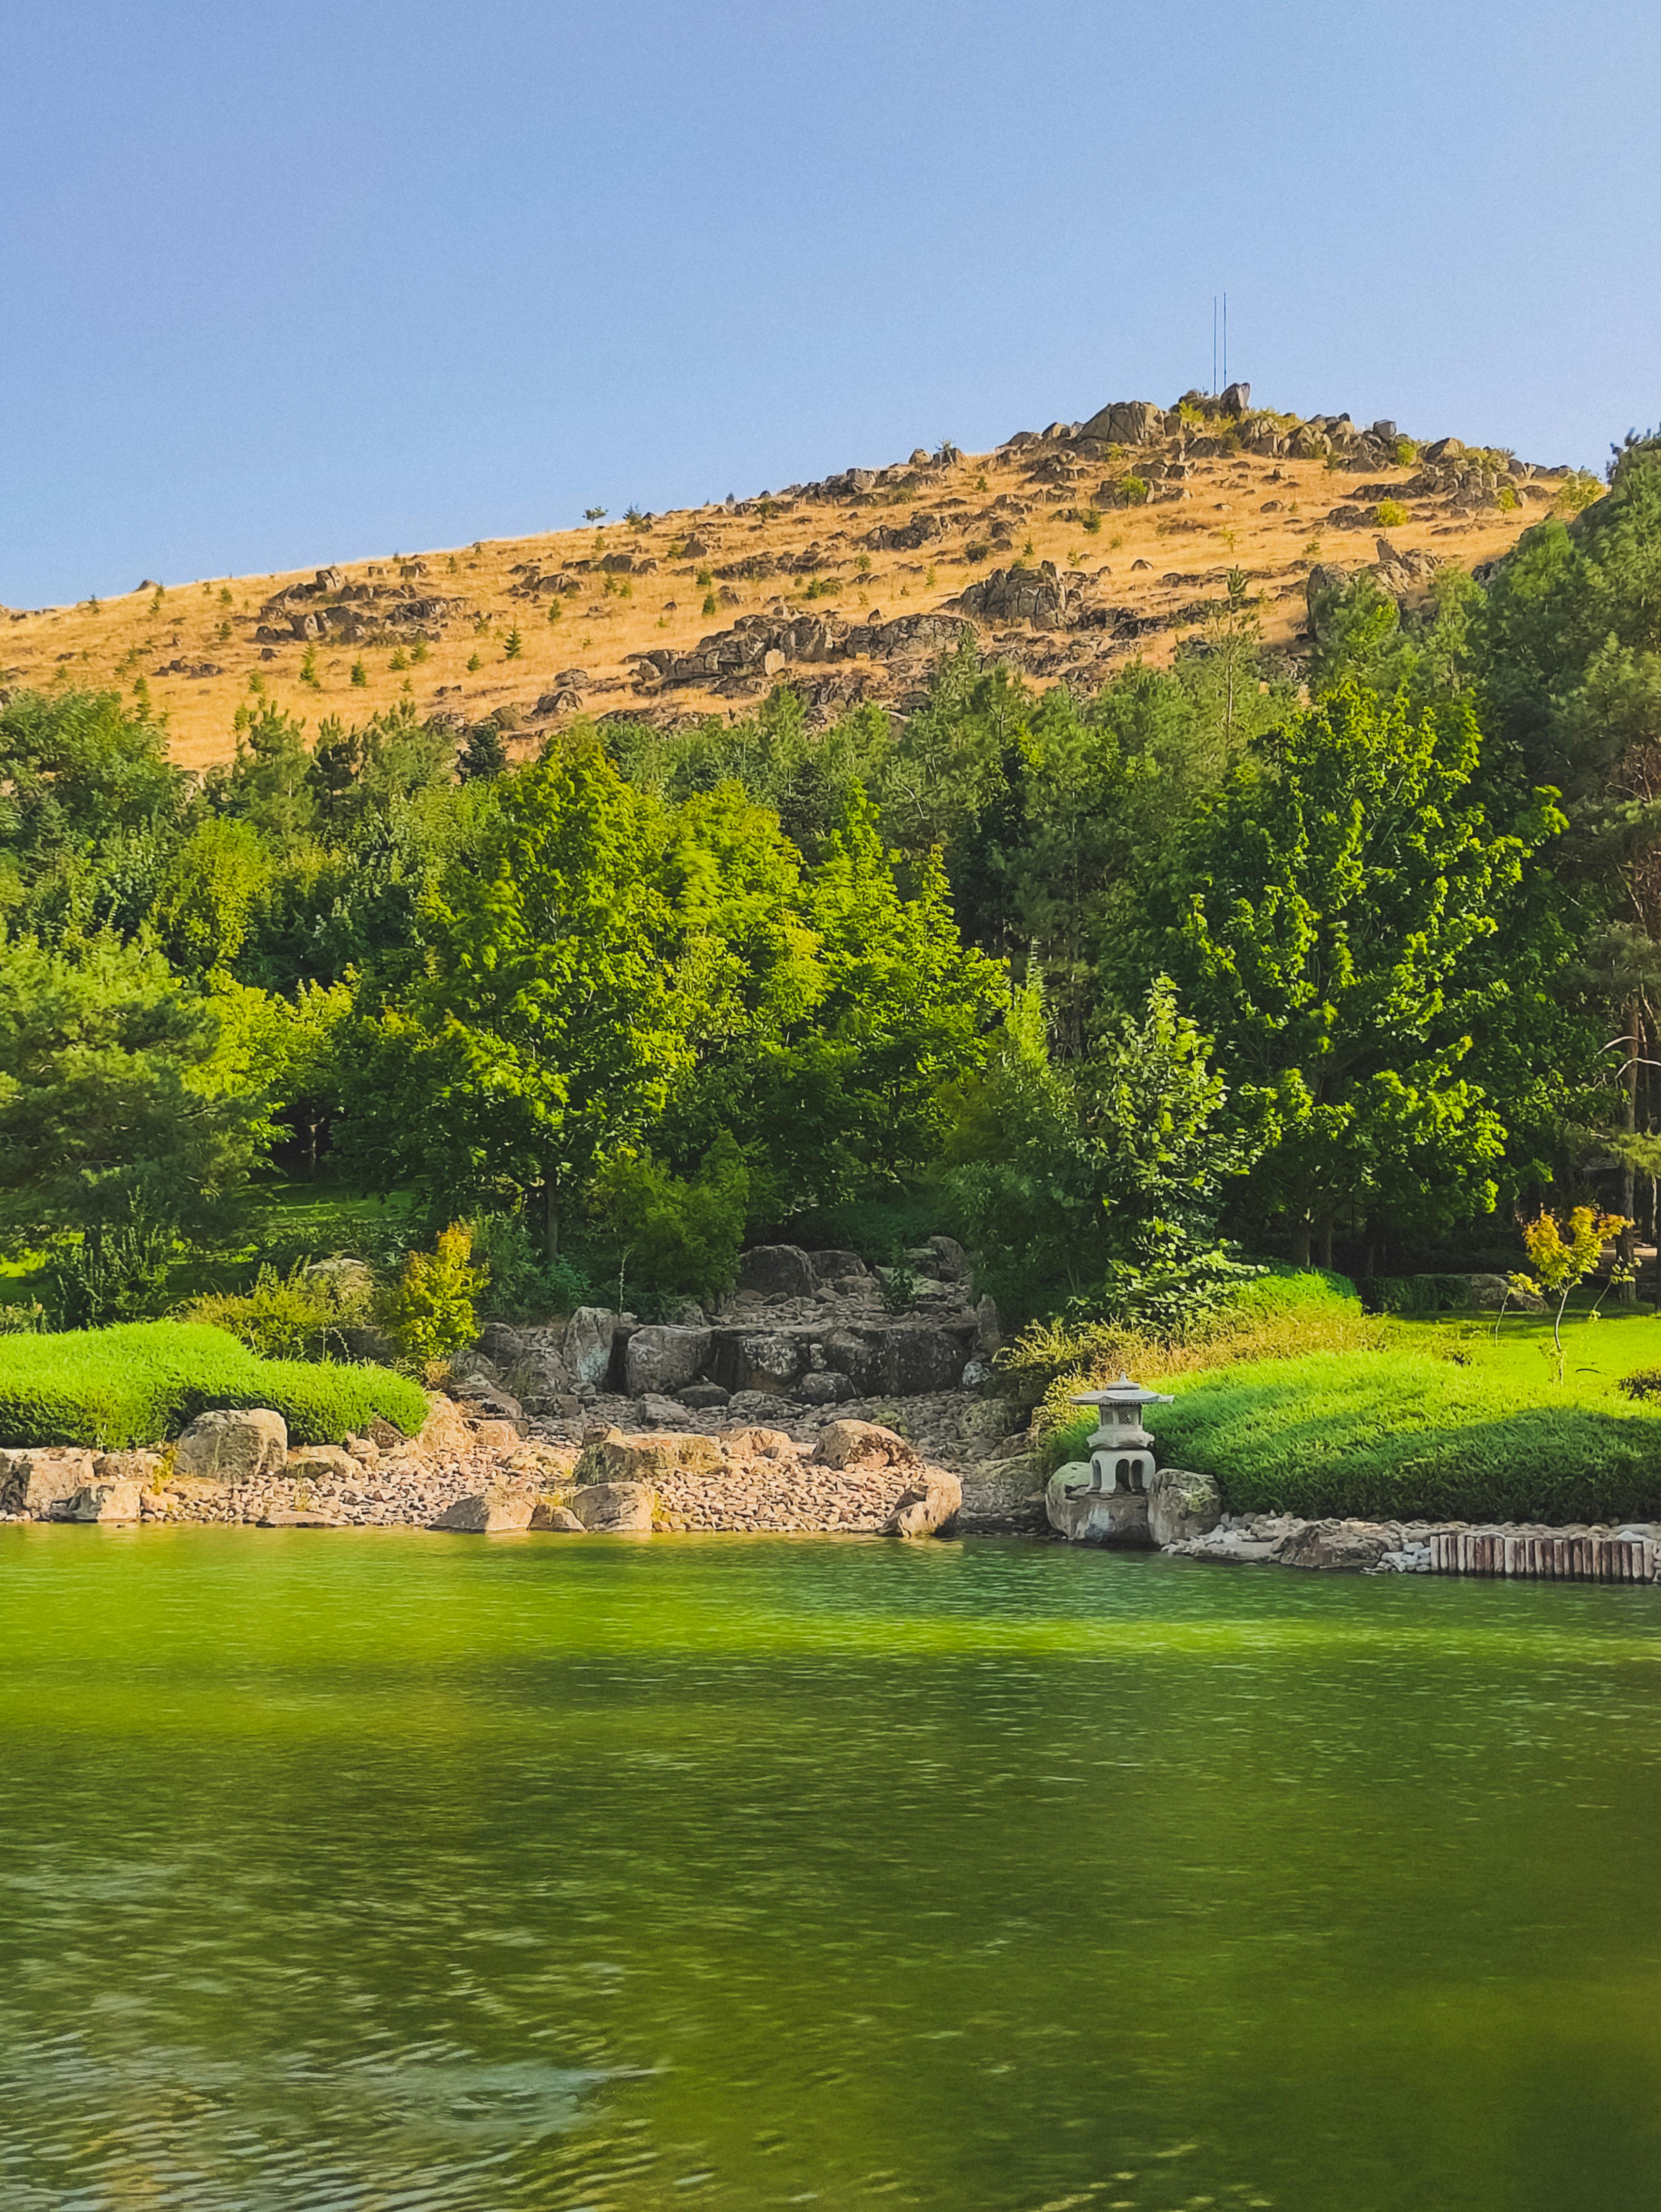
387, 1873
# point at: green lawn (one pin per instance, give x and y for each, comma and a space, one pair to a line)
1441, 1422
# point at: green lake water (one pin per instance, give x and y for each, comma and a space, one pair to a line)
393, 1872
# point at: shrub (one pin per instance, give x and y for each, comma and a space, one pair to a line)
522, 1284
298, 1316
429, 1312
120, 1275
678, 1232
1401, 1435
1643, 1383
1390, 514
1132, 490
143, 1382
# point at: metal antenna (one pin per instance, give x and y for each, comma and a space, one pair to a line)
1224, 341
1214, 346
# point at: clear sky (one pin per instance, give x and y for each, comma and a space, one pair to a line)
287, 283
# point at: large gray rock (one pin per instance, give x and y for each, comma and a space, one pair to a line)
560, 1519
1001, 1496
1125, 422
829, 1388
1083, 1516
234, 1448
864, 1444
766, 1359
929, 1505
779, 1270
102, 1501
39, 1478
615, 1505
1337, 1546
664, 1360
1182, 1505
588, 1346
490, 1512
837, 1266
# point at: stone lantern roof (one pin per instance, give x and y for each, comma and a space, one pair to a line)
1125, 1392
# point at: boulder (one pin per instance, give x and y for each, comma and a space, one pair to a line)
37, 1479
1235, 400
616, 1460
952, 1259
753, 1444
588, 1346
1336, 1546
705, 1397
1443, 449
1182, 1505
826, 1389
664, 1360
765, 1359
543, 1462
922, 1356
101, 1501
1001, 1496
140, 1466
837, 1266
1125, 422
493, 1511
863, 1444
779, 1270
320, 1463
560, 1518
232, 1448
1084, 1516
445, 1434
929, 1505
614, 1505
656, 1412
989, 1328
352, 1281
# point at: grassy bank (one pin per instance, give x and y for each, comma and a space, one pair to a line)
144, 1381
1299, 1402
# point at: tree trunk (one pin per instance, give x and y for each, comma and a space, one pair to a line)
1324, 1226
1300, 1242
1628, 1293
550, 1220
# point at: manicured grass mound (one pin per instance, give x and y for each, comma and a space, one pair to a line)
145, 1381
1400, 1435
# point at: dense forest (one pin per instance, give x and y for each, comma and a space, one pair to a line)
1355, 968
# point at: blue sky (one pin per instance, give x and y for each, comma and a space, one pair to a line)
295, 284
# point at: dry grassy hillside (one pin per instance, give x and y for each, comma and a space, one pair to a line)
848, 587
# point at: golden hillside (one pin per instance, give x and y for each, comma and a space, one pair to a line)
1048, 544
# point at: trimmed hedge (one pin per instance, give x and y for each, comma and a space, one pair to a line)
143, 1382
1403, 1436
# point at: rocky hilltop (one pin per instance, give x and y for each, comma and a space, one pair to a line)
1068, 551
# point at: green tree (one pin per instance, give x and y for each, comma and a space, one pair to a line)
1323, 921
212, 890
483, 755
547, 1029
123, 1100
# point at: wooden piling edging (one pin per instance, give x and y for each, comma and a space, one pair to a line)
1543, 1559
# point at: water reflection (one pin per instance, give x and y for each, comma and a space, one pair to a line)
399, 1872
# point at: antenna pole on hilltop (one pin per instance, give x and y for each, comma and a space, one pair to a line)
1214, 346
1224, 341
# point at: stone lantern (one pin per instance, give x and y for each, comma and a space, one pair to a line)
1121, 1450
